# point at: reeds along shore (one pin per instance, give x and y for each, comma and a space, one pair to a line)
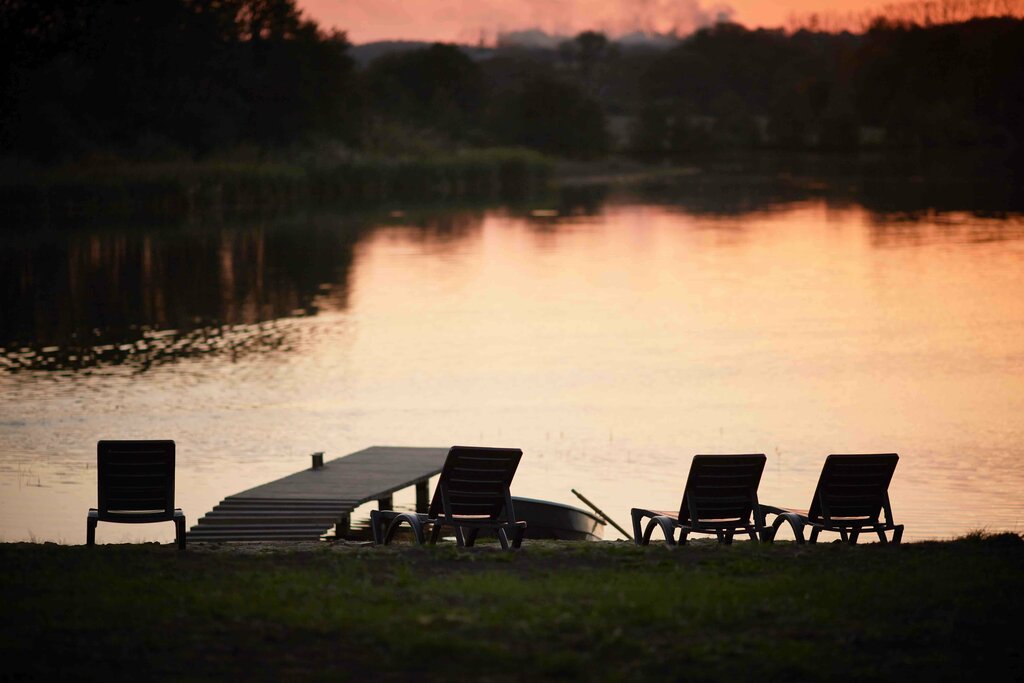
179, 190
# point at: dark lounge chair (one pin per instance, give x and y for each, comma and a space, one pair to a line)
720, 498
472, 494
136, 486
852, 494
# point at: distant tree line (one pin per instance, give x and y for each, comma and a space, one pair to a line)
190, 78
156, 78
908, 12
507, 100
897, 85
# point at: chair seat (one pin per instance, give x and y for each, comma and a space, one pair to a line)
671, 514
818, 520
803, 512
135, 516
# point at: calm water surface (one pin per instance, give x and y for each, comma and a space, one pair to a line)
611, 342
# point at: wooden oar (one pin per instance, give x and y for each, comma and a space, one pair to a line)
602, 515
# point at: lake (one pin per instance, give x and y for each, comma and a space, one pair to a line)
611, 335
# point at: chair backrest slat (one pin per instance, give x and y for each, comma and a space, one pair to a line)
475, 481
135, 477
721, 487
853, 486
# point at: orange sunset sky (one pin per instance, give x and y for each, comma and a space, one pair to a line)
467, 20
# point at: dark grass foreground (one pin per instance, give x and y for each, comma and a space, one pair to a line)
609, 611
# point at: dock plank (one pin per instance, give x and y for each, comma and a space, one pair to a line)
323, 496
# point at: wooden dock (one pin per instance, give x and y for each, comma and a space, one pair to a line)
307, 504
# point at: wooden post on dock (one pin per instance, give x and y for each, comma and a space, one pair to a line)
422, 495
343, 525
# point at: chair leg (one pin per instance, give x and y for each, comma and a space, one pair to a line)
637, 516
881, 535
179, 531
375, 527
897, 534
517, 535
645, 537
470, 536
814, 535
502, 538
90, 531
854, 535
435, 533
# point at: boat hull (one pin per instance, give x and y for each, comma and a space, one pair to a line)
547, 519
544, 519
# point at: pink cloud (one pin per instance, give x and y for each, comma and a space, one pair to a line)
467, 20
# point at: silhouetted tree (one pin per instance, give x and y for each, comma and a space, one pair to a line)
551, 116
587, 55
198, 74
437, 87
943, 85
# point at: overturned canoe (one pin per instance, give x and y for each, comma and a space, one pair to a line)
547, 519
544, 519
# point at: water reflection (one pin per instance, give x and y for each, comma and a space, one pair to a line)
907, 189
141, 297
952, 228
438, 230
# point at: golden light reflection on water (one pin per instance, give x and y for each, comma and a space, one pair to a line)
611, 348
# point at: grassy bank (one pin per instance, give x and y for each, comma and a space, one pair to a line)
176, 190
925, 611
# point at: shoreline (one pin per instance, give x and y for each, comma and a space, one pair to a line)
172, 191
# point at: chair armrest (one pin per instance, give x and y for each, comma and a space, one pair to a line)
667, 523
795, 520
394, 520
638, 515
